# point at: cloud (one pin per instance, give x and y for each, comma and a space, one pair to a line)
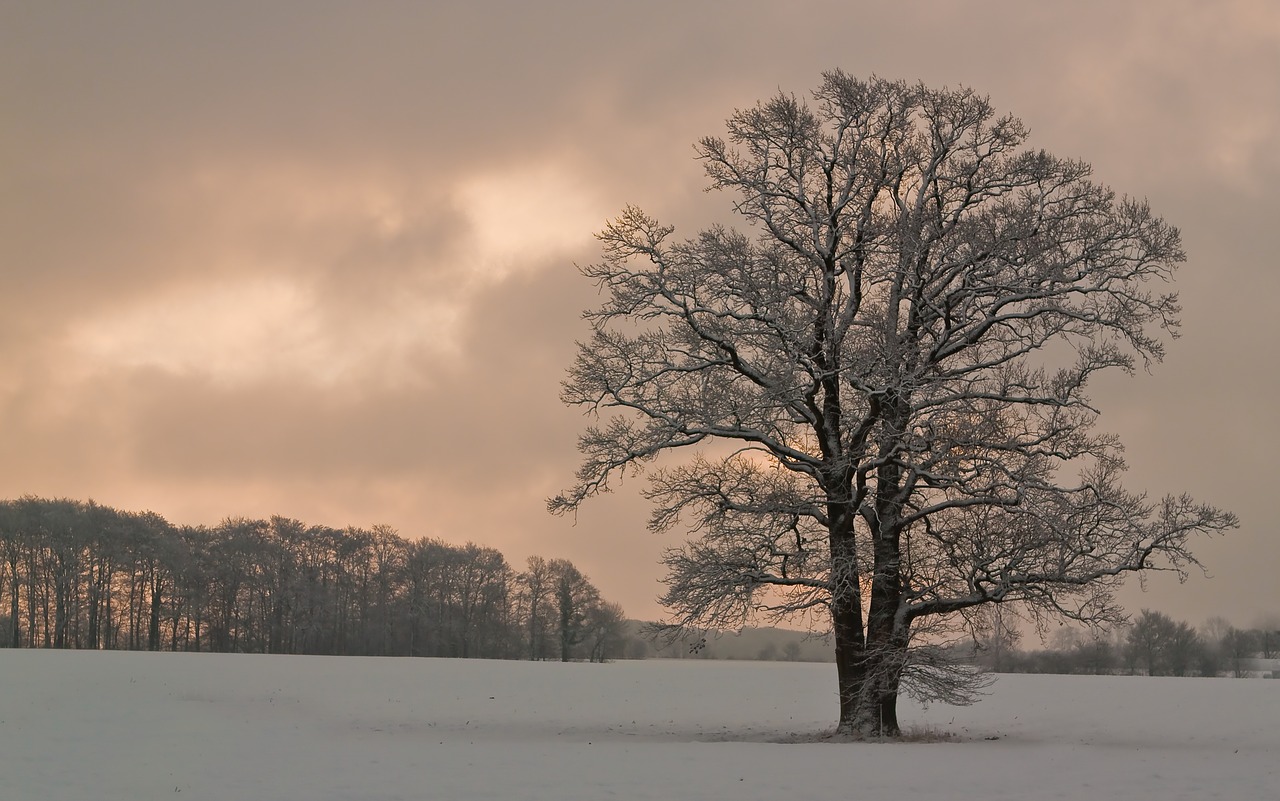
318, 260
261, 330
329, 276
520, 216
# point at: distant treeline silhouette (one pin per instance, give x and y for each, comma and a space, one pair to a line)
1152, 644
79, 574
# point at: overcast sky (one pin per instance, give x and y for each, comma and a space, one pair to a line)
317, 258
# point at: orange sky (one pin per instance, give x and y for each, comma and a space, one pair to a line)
316, 259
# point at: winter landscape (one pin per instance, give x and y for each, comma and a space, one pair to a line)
348, 349
132, 726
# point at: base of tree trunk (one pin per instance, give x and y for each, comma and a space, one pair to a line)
858, 732
872, 722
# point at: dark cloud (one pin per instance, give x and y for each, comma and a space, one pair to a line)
313, 259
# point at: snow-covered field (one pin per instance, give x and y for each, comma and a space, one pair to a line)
101, 726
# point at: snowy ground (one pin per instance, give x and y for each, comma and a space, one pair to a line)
102, 726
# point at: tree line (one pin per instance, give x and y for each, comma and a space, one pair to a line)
1154, 644
79, 574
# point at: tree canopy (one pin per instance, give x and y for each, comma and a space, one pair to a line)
884, 380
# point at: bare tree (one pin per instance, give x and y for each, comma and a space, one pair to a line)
1095, 653
997, 636
1239, 646
12, 545
536, 594
605, 629
892, 373
1184, 649
1151, 640
1267, 630
575, 597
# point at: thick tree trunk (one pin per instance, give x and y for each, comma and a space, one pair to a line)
846, 618
879, 716
875, 713
886, 644
889, 714
885, 658
846, 622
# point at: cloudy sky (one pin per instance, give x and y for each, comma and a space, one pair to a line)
317, 258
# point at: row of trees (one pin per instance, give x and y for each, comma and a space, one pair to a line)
82, 575
1155, 644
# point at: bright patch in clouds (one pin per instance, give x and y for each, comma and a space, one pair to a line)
262, 328
521, 217
279, 323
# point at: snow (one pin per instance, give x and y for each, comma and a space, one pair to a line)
115, 725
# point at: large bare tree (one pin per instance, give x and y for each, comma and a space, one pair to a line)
884, 381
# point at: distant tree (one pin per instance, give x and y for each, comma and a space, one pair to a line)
1184, 648
637, 648
997, 636
388, 552
791, 651
190, 588
1268, 639
60, 524
156, 556
1163, 646
12, 545
1215, 629
897, 360
1209, 660
605, 629
1095, 652
423, 565
1147, 638
1239, 645
481, 593
575, 597
537, 593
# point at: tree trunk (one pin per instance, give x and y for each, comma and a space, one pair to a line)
846, 618
60, 612
15, 621
846, 623
886, 644
153, 622
875, 712
174, 618
95, 604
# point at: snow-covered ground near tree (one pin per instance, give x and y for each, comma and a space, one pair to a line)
101, 726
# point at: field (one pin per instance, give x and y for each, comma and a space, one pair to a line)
97, 726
